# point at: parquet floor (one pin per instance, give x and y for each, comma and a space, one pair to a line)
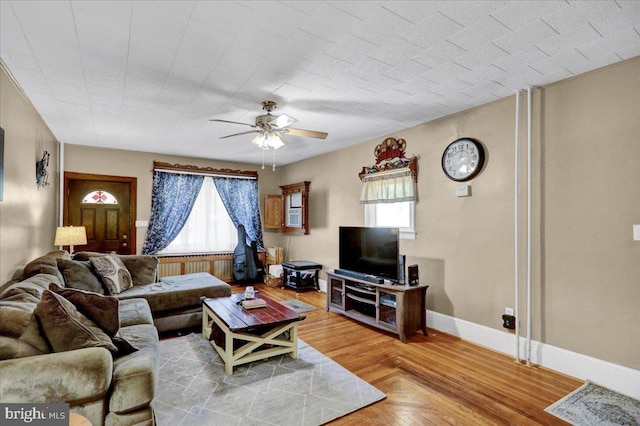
434, 380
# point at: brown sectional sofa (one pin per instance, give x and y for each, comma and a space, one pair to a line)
174, 301
107, 387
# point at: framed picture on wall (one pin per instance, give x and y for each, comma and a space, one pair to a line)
1, 161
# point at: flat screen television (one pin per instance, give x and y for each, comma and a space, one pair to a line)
372, 251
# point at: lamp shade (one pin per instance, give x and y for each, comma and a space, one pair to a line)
259, 141
70, 236
274, 141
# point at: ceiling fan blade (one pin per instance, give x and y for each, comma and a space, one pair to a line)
283, 120
238, 134
307, 133
232, 122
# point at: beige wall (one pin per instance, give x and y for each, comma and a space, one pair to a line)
114, 162
586, 268
28, 215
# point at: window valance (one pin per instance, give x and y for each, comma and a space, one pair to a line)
390, 186
203, 171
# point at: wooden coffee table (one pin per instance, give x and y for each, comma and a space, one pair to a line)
245, 335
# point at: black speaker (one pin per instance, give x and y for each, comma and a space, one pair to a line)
412, 272
401, 268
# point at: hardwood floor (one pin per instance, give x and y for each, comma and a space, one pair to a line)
434, 380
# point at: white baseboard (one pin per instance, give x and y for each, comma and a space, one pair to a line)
323, 285
616, 377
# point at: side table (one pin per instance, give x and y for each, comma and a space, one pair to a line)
301, 275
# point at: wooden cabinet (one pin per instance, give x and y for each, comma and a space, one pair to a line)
288, 212
274, 211
399, 309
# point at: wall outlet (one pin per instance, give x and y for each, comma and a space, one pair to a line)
508, 311
636, 232
463, 191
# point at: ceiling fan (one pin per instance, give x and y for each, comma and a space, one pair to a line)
271, 128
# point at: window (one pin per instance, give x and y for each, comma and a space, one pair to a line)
400, 215
209, 227
99, 197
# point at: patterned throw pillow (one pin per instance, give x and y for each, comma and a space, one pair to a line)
112, 272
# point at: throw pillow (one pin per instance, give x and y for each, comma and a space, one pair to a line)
142, 267
86, 255
102, 310
79, 275
113, 273
67, 329
124, 346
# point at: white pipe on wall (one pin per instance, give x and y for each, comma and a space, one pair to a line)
61, 183
517, 227
529, 126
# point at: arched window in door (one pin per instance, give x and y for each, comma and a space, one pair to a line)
99, 197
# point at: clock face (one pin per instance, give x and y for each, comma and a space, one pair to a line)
463, 159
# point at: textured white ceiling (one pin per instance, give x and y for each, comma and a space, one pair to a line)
148, 75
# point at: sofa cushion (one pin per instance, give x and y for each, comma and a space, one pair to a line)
34, 286
134, 312
102, 310
66, 328
182, 292
112, 272
76, 377
45, 265
135, 375
20, 334
79, 275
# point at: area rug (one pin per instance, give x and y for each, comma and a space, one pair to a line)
312, 390
592, 404
297, 305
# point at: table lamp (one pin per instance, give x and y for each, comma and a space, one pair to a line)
70, 236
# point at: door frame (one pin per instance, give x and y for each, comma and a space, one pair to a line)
133, 198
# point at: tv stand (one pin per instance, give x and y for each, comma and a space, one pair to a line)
399, 309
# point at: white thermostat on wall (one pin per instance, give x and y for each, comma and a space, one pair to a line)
463, 191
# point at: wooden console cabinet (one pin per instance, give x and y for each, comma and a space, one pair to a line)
399, 309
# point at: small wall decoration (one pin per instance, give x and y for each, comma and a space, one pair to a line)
390, 155
42, 174
1, 161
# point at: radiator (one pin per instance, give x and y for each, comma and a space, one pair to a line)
219, 265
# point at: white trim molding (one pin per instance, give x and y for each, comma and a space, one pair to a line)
616, 377
322, 284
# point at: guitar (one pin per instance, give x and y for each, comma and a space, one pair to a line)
247, 267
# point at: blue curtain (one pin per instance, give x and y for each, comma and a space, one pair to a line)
172, 199
240, 198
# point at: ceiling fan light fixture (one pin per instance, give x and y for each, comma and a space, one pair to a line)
274, 141
260, 141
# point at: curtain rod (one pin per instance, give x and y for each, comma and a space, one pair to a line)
203, 171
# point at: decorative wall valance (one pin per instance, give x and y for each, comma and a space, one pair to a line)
390, 186
205, 171
393, 177
390, 155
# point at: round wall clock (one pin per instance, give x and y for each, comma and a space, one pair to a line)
463, 159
